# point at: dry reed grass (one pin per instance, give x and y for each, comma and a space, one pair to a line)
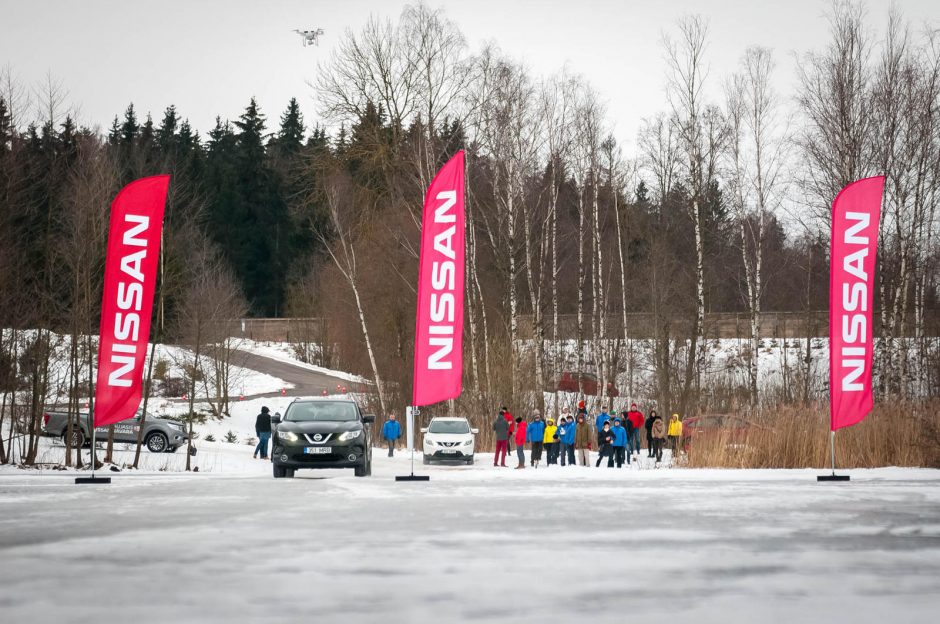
898, 434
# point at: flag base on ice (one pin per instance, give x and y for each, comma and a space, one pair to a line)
85, 480
410, 413
832, 477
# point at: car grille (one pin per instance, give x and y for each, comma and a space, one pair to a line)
324, 437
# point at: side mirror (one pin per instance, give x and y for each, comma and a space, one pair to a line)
368, 418
474, 431
424, 429
276, 418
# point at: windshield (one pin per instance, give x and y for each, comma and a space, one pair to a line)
335, 411
449, 426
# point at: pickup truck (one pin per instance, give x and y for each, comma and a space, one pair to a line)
160, 434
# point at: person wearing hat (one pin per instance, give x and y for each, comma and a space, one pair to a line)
520, 436
605, 440
636, 417
550, 442
582, 440
659, 437
391, 431
512, 426
534, 435
600, 420
675, 433
566, 433
649, 433
263, 431
619, 445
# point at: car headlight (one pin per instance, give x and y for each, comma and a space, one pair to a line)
468, 442
349, 435
287, 436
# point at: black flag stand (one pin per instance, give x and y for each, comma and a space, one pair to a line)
92, 479
411, 447
832, 454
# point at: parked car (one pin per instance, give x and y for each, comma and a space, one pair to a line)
322, 433
735, 428
449, 439
567, 381
161, 435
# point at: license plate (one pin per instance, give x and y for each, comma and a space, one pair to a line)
318, 450
449, 451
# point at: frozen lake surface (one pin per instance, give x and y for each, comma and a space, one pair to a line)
474, 544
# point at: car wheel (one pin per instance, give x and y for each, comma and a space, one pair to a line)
470, 460
157, 443
425, 459
279, 471
78, 438
361, 470
289, 473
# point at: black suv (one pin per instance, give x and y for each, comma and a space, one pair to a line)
322, 433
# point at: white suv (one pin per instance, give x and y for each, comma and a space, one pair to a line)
448, 439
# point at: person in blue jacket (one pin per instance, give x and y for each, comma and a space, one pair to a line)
600, 420
391, 431
620, 445
566, 431
533, 435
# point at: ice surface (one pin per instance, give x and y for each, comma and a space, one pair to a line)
474, 544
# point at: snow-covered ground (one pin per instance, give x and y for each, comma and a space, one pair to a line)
473, 544
173, 359
285, 352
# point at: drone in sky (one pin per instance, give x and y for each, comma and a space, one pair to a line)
310, 37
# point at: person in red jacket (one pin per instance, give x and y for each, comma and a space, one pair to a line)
512, 428
637, 420
520, 442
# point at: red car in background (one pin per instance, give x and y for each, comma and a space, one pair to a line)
589, 384
735, 428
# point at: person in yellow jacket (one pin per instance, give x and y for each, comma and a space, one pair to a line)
551, 442
675, 433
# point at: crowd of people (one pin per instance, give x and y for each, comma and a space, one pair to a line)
571, 440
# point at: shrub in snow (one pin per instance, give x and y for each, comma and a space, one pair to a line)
210, 437
230, 437
250, 440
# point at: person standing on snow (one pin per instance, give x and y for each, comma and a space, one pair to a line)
512, 426
674, 433
391, 431
566, 433
619, 445
605, 440
658, 431
550, 440
534, 433
649, 433
520, 442
600, 420
636, 419
263, 431
582, 441
501, 427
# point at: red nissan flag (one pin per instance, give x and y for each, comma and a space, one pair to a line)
130, 274
439, 323
855, 215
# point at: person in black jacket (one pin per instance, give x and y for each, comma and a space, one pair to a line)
650, 451
263, 430
605, 441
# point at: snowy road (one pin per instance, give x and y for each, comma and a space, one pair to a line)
474, 544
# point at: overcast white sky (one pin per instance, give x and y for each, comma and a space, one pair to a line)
209, 57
